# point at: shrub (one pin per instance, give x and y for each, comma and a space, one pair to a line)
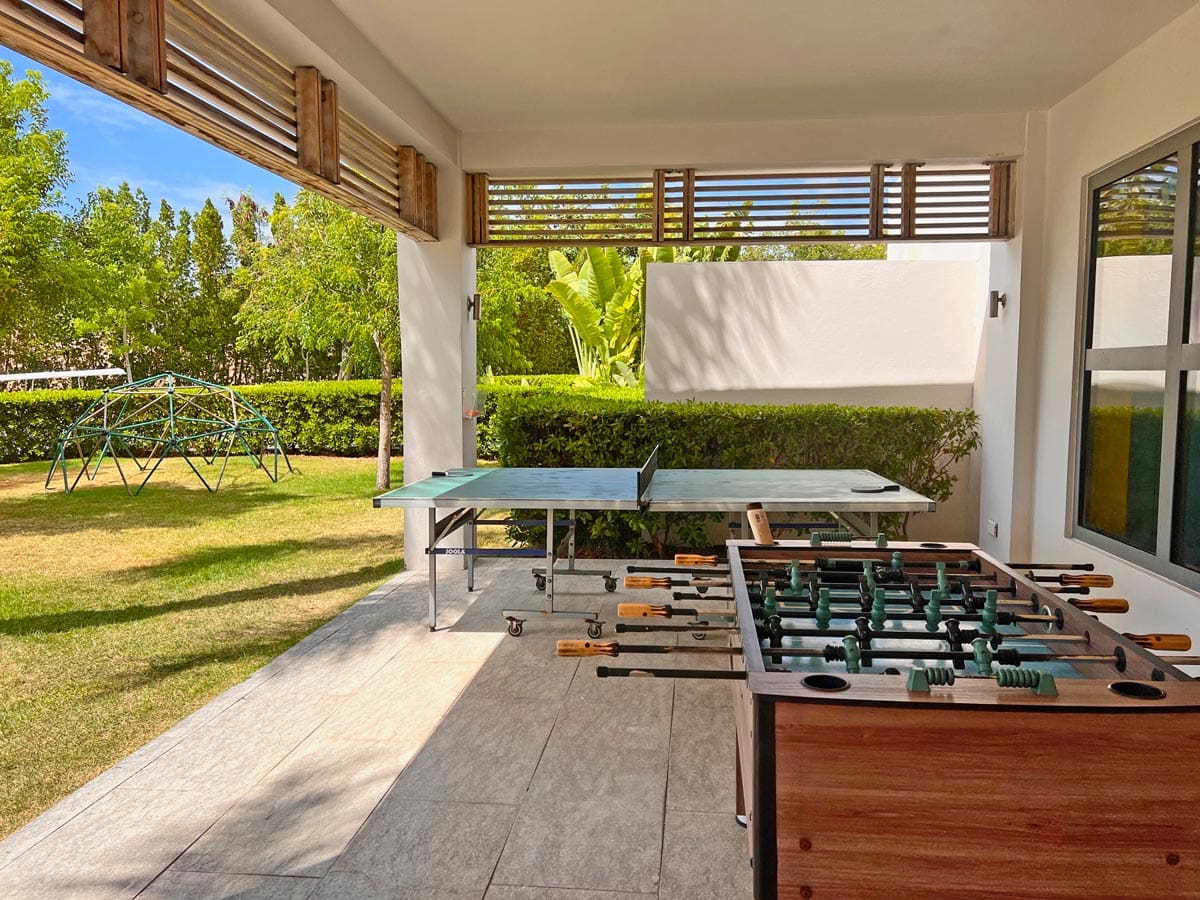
332, 418
915, 447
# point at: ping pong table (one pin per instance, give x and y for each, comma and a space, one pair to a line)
854, 497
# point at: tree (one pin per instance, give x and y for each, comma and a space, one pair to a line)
125, 275
37, 266
328, 281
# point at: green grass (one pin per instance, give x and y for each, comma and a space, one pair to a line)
120, 615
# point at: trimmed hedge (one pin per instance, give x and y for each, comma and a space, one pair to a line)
568, 387
331, 418
916, 447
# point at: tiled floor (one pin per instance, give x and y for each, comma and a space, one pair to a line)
377, 760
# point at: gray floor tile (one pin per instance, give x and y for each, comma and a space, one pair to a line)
172, 885
633, 713
703, 743
484, 751
403, 702
358, 886
112, 849
414, 845
571, 770
705, 857
509, 892
610, 844
301, 816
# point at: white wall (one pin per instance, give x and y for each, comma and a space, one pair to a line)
1142, 97
871, 332
437, 354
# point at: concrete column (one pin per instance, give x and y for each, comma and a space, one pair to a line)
437, 353
1006, 394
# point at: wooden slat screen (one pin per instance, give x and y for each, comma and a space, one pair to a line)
573, 210
60, 21
783, 207
910, 201
222, 76
1141, 205
176, 60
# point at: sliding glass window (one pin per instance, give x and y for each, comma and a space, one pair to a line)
1138, 428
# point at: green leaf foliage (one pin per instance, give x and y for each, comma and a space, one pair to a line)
916, 447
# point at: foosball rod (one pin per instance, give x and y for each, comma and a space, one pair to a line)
1159, 642
837, 653
623, 672
667, 611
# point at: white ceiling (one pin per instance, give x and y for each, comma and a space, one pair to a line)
521, 64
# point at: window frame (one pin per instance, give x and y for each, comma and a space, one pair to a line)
1175, 359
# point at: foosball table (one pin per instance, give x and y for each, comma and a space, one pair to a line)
919, 719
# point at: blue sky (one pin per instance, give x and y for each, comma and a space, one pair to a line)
109, 142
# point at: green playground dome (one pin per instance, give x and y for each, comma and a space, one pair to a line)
139, 424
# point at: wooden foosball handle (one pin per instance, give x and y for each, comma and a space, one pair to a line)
646, 581
642, 611
710, 582
694, 559
1162, 641
587, 648
1105, 605
1096, 581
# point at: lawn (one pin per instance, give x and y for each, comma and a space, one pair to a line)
119, 615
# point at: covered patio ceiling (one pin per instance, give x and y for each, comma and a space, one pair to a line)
529, 64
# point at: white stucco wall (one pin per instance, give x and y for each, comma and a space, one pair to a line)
871, 332
1142, 97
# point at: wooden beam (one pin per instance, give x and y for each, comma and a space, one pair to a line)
406, 177
431, 200
875, 216
660, 203
331, 169
689, 203
102, 33
145, 43
908, 199
308, 118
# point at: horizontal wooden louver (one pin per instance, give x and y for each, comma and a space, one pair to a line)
782, 207
1140, 205
573, 210
176, 60
224, 77
869, 203
60, 21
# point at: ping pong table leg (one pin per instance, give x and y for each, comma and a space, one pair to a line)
472, 543
432, 569
874, 524
550, 560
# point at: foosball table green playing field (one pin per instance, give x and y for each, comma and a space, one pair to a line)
920, 720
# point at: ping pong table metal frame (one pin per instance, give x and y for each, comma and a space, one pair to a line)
593, 490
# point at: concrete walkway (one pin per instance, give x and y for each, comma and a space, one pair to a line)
377, 760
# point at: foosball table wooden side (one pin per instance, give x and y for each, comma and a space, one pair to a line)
857, 800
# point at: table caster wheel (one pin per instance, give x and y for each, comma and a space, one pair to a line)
593, 630
515, 627
610, 584
539, 582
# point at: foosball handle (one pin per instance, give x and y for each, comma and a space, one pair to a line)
642, 611
1096, 581
588, 648
1161, 641
1105, 605
646, 581
710, 582
694, 559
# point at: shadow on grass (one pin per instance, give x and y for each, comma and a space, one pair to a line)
52, 623
211, 557
114, 510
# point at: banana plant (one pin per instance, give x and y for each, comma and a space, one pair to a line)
602, 300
